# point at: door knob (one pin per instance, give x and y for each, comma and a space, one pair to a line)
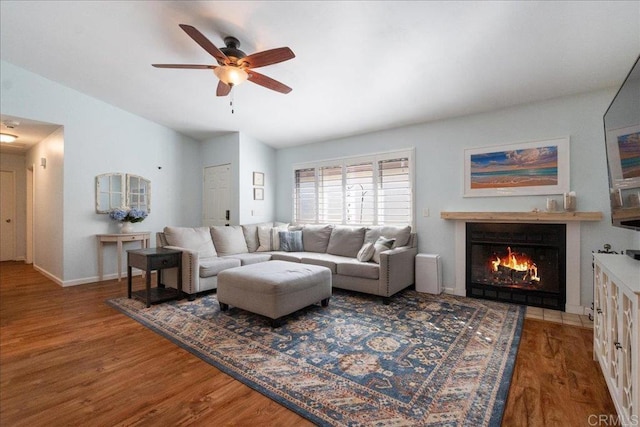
7, 220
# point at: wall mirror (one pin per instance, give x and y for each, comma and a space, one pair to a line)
119, 190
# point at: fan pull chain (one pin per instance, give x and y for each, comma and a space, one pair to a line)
232, 99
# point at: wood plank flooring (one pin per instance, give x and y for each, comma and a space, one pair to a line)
66, 358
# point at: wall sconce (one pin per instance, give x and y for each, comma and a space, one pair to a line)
43, 162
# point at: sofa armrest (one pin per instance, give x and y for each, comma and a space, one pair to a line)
397, 269
190, 271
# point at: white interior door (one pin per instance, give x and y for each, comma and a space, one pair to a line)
217, 195
7, 216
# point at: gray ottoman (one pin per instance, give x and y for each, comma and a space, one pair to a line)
274, 288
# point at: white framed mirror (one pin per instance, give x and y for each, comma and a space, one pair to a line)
119, 190
138, 193
110, 192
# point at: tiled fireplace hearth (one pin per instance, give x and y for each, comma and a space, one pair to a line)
560, 291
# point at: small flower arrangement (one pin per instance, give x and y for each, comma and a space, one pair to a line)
128, 215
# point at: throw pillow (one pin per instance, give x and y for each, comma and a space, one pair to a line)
381, 245
291, 241
269, 238
366, 252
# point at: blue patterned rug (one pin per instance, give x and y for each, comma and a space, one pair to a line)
422, 360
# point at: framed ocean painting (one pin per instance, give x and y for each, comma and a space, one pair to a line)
520, 169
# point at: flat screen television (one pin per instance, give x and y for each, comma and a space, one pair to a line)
622, 138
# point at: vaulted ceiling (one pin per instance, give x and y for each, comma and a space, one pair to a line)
360, 66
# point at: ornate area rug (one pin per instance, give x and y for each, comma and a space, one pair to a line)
422, 360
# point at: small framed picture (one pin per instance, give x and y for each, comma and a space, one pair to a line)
258, 178
258, 194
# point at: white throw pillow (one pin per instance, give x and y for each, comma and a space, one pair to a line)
381, 245
366, 252
269, 239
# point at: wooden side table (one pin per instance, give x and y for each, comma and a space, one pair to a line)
154, 259
119, 238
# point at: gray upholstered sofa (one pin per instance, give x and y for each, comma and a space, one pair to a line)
208, 251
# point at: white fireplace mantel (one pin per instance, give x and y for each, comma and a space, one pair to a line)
572, 221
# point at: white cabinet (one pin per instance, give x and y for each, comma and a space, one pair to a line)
616, 330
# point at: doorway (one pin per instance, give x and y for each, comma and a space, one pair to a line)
8, 215
217, 195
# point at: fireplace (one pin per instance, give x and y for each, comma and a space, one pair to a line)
517, 262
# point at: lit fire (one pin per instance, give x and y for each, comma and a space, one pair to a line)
517, 262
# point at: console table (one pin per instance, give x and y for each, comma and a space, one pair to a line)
155, 259
616, 324
143, 237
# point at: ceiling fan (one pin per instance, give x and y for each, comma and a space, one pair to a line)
235, 66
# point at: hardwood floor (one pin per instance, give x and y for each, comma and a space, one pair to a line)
66, 358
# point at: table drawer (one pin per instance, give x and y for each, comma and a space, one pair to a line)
163, 261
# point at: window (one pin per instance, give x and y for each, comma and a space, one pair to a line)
370, 190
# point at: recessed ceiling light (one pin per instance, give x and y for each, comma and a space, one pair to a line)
6, 137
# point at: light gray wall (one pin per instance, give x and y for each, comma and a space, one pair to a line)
439, 169
256, 157
48, 207
98, 138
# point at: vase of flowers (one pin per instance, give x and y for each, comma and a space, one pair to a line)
126, 217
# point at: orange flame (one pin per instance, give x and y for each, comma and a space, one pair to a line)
517, 262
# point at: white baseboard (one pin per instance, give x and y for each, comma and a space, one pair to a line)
94, 279
48, 275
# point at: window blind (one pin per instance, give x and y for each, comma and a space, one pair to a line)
371, 190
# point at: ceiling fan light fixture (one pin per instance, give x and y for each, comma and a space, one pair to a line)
231, 75
7, 137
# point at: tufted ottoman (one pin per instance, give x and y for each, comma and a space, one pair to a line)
274, 288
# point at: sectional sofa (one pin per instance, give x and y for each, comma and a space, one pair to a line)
373, 260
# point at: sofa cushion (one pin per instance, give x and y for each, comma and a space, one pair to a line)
315, 238
346, 241
325, 260
195, 239
366, 252
250, 232
400, 234
367, 270
251, 257
229, 240
213, 266
269, 238
287, 256
381, 245
291, 241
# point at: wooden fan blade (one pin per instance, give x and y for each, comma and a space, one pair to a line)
267, 57
204, 42
268, 82
223, 89
189, 66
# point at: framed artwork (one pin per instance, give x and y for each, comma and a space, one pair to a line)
258, 178
623, 152
519, 169
258, 194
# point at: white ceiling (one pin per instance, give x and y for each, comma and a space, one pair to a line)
360, 66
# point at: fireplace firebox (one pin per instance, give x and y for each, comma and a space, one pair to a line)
519, 263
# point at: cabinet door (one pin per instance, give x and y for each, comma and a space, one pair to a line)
627, 330
614, 337
599, 301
